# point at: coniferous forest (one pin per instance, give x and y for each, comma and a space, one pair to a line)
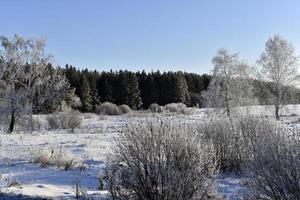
136, 89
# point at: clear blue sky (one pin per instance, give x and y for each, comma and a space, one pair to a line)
151, 34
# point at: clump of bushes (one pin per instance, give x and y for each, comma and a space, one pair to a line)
177, 108
154, 107
267, 150
52, 156
124, 109
274, 169
53, 121
234, 139
108, 108
161, 159
65, 120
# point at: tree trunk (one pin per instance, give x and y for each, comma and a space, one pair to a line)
227, 105
12, 122
228, 111
277, 112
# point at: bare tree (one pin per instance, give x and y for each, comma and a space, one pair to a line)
278, 64
22, 65
230, 85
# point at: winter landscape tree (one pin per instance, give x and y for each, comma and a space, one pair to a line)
85, 92
127, 90
26, 78
55, 88
229, 86
278, 64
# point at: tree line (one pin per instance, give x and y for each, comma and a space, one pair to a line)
136, 89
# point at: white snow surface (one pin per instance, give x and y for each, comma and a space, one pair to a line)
90, 145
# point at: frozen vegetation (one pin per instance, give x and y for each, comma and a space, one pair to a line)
70, 134
87, 147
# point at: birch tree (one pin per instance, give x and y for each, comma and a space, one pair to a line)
278, 64
55, 88
22, 66
230, 85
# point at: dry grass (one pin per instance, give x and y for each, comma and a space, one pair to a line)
52, 156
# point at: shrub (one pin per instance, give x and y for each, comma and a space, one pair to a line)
28, 122
80, 192
274, 170
160, 160
124, 109
53, 121
176, 107
65, 120
234, 138
108, 108
154, 107
70, 120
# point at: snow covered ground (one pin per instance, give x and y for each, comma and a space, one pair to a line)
89, 147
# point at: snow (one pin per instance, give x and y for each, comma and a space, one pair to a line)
90, 145
230, 186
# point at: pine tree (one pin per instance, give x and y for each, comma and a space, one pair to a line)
133, 97
85, 94
181, 93
148, 88
92, 80
105, 86
126, 90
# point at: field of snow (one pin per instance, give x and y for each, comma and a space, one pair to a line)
89, 146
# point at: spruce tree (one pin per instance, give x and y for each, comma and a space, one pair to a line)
148, 88
105, 86
126, 90
133, 97
85, 94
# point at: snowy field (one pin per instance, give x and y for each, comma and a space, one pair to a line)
89, 146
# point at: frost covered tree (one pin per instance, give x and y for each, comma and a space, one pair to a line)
23, 69
278, 64
55, 88
230, 84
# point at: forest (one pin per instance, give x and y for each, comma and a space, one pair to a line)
136, 89
140, 89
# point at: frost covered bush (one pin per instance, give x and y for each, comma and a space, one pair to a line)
274, 170
234, 139
71, 120
176, 107
108, 108
52, 156
53, 121
154, 107
65, 120
160, 159
124, 109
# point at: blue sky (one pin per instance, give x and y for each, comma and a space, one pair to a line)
151, 34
